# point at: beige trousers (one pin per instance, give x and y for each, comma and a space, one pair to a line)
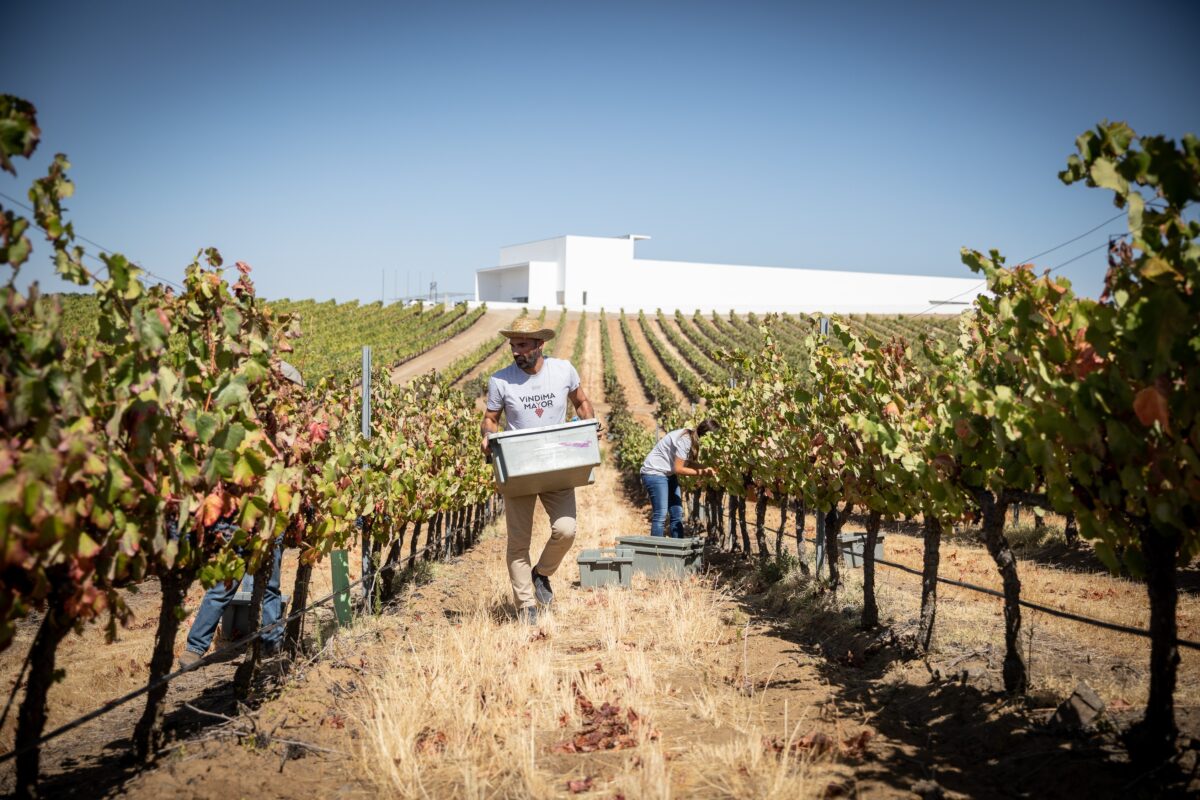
518, 515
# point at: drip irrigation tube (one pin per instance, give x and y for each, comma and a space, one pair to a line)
1054, 612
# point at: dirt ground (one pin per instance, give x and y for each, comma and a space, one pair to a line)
725, 684
860, 717
656, 328
483, 329
564, 344
660, 371
591, 367
640, 403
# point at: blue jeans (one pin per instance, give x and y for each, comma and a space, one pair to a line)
200, 635
665, 498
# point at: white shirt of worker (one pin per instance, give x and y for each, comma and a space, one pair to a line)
534, 401
661, 459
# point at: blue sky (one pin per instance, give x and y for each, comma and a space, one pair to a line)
327, 145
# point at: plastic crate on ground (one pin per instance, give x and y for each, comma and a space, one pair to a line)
852, 546
664, 557
605, 566
235, 619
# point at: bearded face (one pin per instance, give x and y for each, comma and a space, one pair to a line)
526, 352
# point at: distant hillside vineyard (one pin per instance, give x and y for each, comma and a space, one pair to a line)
333, 334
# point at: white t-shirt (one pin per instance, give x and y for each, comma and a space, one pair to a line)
661, 460
533, 401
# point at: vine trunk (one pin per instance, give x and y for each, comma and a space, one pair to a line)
1016, 676
929, 573
147, 734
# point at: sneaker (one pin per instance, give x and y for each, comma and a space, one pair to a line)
542, 590
528, 615
188, 659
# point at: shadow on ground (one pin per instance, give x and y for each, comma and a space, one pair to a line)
941, 723
110, 763
97, 760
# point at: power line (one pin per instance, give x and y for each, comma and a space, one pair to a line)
983, 283
1072, 241
1081, 255
97, 245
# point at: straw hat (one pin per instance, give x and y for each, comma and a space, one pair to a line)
528, 328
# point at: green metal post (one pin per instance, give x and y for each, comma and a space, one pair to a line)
339, 563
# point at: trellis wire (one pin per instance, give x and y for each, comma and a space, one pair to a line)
234, 645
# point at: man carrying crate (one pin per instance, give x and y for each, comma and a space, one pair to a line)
533, 392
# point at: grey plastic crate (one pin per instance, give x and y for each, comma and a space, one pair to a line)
535, 460
852, 546
235, 619
605, 566
664, 557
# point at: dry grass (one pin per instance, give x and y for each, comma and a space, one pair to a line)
474, 708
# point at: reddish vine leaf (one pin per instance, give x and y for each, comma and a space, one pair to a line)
856, 746
608, 727
430, 742
1086, 362
318, 432
818, 743
1150, 405
215, 506
580, 785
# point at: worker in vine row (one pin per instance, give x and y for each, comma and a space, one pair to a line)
216, 599
673, 455
532, 392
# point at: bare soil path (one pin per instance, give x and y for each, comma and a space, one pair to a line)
736, 693
564, 344
657, 328
660, 371
640, 403
417, 702
484, 328
591, 366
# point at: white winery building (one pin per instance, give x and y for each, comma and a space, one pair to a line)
591, 272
